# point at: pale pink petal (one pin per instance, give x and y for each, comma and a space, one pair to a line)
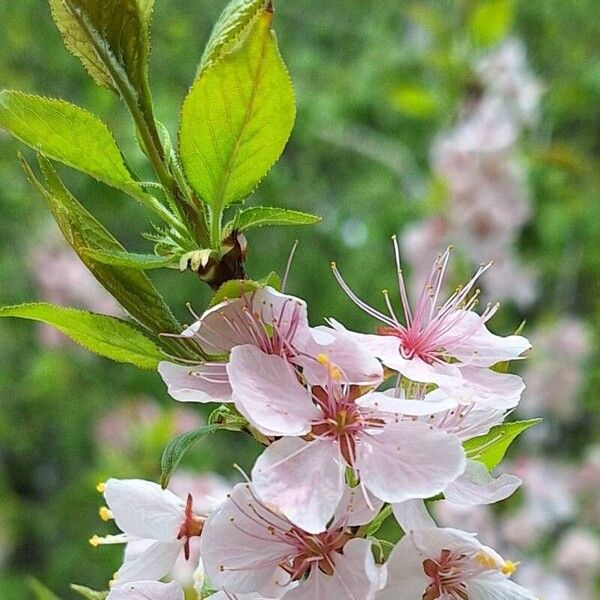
230, 596
143, 509
147, 590
221, 328
495, 586
355, 509
152, 563
196, 383
432, 403
380, 346
288, 312
501, 391
413, 515
304, 480
356, 577
482, 348
238, 551
430, 542
408, 460
418, 370
406, 578
477, 486
267, 392
357, 365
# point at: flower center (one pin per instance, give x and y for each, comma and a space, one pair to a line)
413, 343
314, 550
447, 577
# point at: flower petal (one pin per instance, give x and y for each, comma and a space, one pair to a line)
434, 402
144, 510
267, 392
355, 577
406, 578
413, 515
501, 391
239, 552
408, 460
495, 586
477, 486
304, 480
147, 590
355, 509
481, 347
152, 563
197, 383
357, 365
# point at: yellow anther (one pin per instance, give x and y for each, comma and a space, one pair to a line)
101, 487
333, 264
486, 561
105, 513
509, 567
335, 373
323, 359
95, 541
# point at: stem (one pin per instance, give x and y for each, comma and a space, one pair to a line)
372, 527
147, 132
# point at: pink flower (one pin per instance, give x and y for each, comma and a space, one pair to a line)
274, 323
447, 344
327, 428
449, 564
248, 546
157, 527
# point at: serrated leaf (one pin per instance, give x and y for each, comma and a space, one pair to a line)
107, 336
490, 448
87, 593
237, 118
233, 21
68, 134
111, 38
132, 289
40, 592
130, 260
236, 288
263, 216
176, 449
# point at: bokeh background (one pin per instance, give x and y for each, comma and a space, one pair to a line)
475, 123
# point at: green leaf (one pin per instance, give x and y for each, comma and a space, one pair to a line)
490, 448
107, 336
66, 133
237, 118
490, 21
40, 592
261, 216
233, 21
236, 288
87, 593
177, 447
111, 38
133, 289
137, 262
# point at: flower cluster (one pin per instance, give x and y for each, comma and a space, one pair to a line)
356, 426
488, 198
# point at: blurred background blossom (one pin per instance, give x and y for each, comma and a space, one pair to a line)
471, 123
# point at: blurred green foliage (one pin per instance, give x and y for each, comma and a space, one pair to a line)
370, 101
